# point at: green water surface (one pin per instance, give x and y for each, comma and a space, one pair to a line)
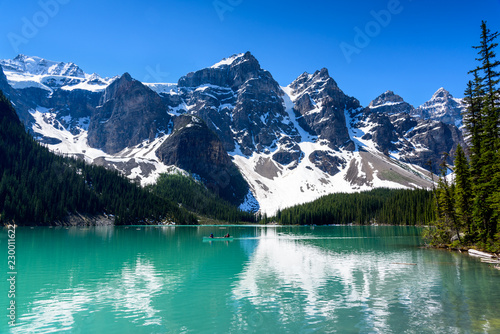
267, 280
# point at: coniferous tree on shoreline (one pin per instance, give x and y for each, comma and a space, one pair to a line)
473, 199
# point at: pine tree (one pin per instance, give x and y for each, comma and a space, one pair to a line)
446, 204
485, 152
463, 190
473, 120
490, 79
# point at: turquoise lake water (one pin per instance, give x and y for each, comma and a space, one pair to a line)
267, 280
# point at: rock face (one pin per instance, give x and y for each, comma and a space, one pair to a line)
21, 102
388, 118
240, 101
327, 162
74, 107
388, 123
129, 113
321, 105
432, 139
193, 147
4, 84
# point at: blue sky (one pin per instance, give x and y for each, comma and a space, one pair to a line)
413, 48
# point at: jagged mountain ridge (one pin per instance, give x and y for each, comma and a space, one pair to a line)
292, 144
442, 107
389, 124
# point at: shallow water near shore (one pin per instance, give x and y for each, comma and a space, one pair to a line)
338, 279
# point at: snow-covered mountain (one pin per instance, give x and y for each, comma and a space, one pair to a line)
249, 139
24, 72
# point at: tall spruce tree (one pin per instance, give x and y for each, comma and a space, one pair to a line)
476, 204
463, 191
490, 80
472, 119
447, 216
484, 187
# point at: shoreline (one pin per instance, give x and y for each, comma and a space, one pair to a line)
485, 257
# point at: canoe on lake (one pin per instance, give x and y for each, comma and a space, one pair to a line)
218, 239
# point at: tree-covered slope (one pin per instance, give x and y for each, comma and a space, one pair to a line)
196, 197
381, 206
38, 187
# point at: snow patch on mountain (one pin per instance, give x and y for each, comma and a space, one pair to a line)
250, 203
227, 61
385, 104
48, 128
163, 88
138, 162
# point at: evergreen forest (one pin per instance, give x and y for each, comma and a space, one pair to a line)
38, 187
378, 206
195, 197
468, 208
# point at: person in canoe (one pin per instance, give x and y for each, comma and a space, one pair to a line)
211, 235
227, 236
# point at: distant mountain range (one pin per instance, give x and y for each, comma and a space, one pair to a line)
255, 143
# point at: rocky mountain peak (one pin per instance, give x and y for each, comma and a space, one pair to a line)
324, 72
236, 60
385, 98
442, 107
321, 105
390, 103
119, 86
126, 77
320, 74
441, 93
319, 80
239, 101
129, 113
230, 72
